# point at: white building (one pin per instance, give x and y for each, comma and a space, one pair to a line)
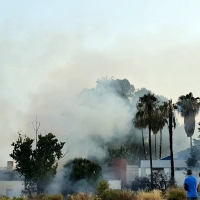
11, 184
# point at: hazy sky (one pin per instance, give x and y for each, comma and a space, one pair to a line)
60, 47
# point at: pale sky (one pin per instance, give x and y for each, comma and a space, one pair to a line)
63, 46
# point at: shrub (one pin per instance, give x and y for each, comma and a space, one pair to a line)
125, 195
141, 183
160, 182
83, 196
152, 195
108, 194
102, 186
18, 198
4, 198
176, 194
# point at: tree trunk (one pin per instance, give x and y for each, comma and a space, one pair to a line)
160, 150
150, 155
143, 145
189, 124
171, 144
191, 143
155, 148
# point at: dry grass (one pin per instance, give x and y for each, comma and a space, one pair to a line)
83, 196
47, 197
177, 193
125, 195
153, 195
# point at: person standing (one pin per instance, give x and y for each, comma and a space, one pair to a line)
190, 185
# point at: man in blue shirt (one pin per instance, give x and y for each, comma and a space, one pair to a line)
190, 184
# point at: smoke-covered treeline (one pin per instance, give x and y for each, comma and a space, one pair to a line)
100, 123
123, 142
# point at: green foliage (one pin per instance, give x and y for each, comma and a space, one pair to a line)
38, 166
188, 107
120, 152
83, 169
176, 194
102, 186
160, 182
192, 161
108, 194
121, 86
4, 198
80, 175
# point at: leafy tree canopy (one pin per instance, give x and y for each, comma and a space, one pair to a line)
38, 166
81, 168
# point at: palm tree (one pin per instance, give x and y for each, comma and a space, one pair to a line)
162, 122
147, 104
188, 106
155, 128
169, 110
139, 122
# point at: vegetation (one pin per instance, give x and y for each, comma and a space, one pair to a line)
169, 108
81, 171
83, 196
174, 193
102, 186
37, 166
160, 182
152, 195
188, 107
147, 105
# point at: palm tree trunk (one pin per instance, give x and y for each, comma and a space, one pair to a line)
191, 143
150, 155
171, 146
155, 147
160, 150
143, 145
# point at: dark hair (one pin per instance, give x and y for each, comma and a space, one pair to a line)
189, 172
199, 174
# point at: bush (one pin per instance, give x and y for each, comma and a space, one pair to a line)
141, 183
102, 186
160, 182
18, 198
83, 196
153, 195
125, 195
108, 194
4, 198
176, 194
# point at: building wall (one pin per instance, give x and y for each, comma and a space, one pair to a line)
11, 188
131, 172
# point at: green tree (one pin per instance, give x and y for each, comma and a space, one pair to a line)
148, 104
120, 152
188, 107
121, 86
37, 166
80, 169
